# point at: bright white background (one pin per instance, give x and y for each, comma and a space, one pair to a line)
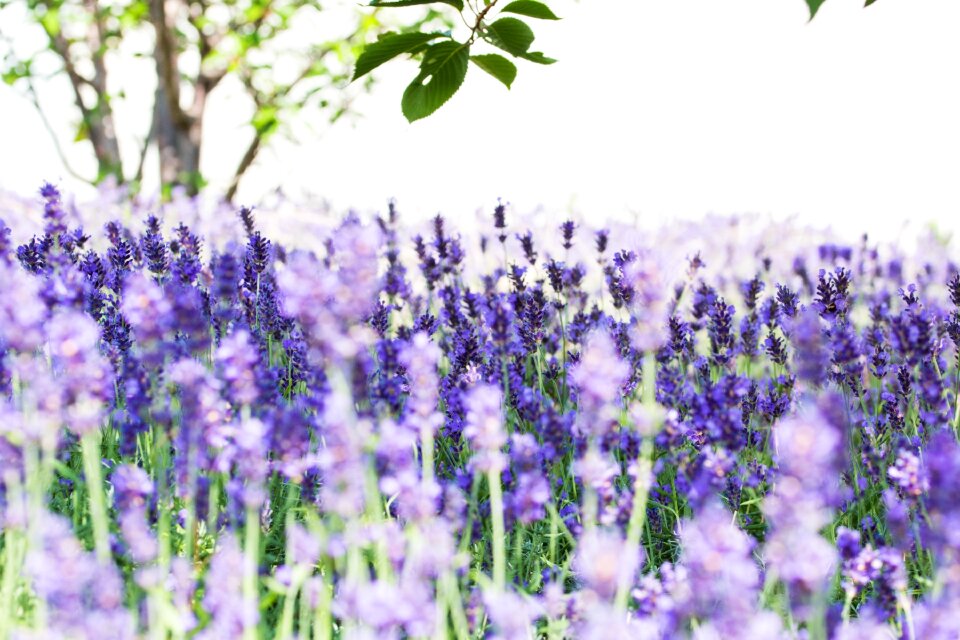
657, 109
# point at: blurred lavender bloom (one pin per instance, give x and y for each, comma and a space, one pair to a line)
420, 358
722, 579
238, 360
86, 376
146, 308
649, 305
598, 377
342, 459
603, 561
22, 311
230, 613
388, 608
132, 488
511, 615
484, 428
83, 598
329, 303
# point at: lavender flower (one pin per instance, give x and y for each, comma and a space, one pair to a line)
603, 560
230, 614
598, 378
484, 428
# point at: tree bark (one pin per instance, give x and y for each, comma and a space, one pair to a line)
178, 131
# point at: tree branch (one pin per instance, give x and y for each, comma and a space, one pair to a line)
34, 98
248, 157
260, 101
145, 147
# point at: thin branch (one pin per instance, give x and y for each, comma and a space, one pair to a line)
34, 98
245, 162
146, 147
260, 100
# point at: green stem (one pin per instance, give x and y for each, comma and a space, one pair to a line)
638, 516
323, 617
499, 530
847, 607
907, 607
90, 445
448, 584
285, 631
518, 550
426, 450
251, 555
12, 560
641, 484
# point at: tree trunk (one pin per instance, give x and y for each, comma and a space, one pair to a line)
177, 131
178, 145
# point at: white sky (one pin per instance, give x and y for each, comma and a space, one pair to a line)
657, 108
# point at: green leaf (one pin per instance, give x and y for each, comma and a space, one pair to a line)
265, 121
458, 4
442, 71
539, 58
511, 35
497, 66
814, 6
83, 132
388, 47
869, 2
51, 22
531, 9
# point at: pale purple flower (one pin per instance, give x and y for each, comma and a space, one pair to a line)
223, 598
237, 359
83, 598
85, 374
598, 377
132, 488
22, 309
511, 614
330, 301
484, 428
420, 358
604, 560
649, 306
146, 308
722, 577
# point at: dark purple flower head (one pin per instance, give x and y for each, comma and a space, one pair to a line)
720, 331
567, 230
247, 219
526, 244
602, 239
500, 220
54, 217
154, 248
5, 243
848, 543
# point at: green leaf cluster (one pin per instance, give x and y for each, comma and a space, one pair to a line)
444, 58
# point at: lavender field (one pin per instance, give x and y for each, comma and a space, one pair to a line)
371, 429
